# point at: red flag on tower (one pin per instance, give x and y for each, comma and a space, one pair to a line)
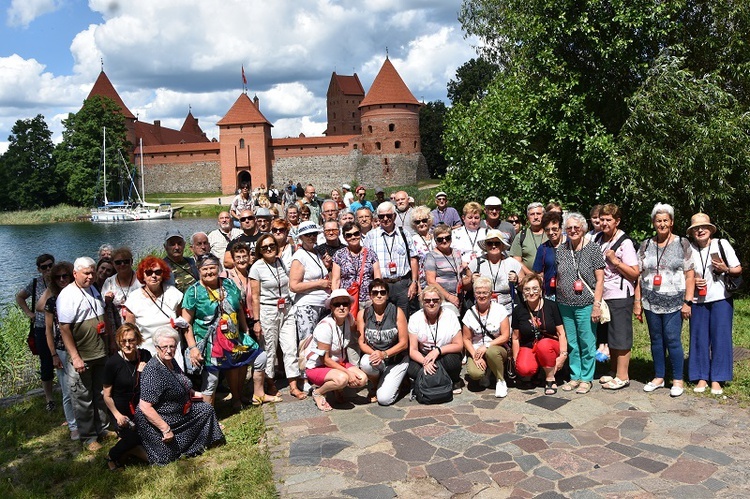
244, 80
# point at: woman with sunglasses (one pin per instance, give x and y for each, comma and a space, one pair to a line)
327, 364
61, 275
304, 213
155, 305
354, 267
538, 334
118, 288
383, 344
422, 237
280, 232
122, 392
269, 282
502, 271
445, 271
435, 338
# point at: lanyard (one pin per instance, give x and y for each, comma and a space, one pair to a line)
316, 260
533, 238
434, 331
275, 274
340, 332
91, 305
708, 258
393, 241
476, 236
576, 261
453, 264
158, 305
659, 257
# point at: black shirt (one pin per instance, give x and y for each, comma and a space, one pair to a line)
547, 319
123, 376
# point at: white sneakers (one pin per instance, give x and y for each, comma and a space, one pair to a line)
501, 389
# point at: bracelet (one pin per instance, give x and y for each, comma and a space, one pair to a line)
192, 347
564, 354
440, 352
166, 431
687, 302
385, 354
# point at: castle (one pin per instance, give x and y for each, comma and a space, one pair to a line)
370, 139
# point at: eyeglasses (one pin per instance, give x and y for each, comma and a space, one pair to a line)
245, 219
422, 221
46, 266
128, 341
341, 304
494, 244
167, 347
445, 239
379, 292
386, 216
573, 228
277, 230
268, 247
482, 293
491, 208
352, 235
156, 272
62, 276
431, 300
514, 221
331, 231
531, 291
122, 262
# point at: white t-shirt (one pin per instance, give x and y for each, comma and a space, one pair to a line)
314, 269
150, 315
492, 322
715, 289
329, 333
439, 334
466, 241
219, 241
122, 291
76, 304
348, 199
498, 274
273, 279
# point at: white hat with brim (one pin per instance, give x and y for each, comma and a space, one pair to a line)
308, 227
494, 234
338, 293
701, 220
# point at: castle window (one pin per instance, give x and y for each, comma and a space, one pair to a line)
397, 144
334, 116
385, 161
369, 128
355, 147
377, 145
242, 143
415, 144
334, 129
354, 127
354, 115
391, 127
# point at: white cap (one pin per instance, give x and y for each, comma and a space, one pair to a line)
346, 186
441, 193
493, 201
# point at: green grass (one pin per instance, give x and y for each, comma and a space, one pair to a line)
59, 213
17, 364
38, 459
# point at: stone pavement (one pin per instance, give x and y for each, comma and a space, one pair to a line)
623, 443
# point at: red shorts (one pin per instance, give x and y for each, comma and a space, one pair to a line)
317, 375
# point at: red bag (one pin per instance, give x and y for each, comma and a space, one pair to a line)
354, 288
31, 341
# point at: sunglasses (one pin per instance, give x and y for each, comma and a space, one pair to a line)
386, 216
352, 235
493, 244
331, 231
422, 221
46, 266
245, 219
62, 276
514, 221
341, 304
128, 341
156, 272
276, 230
431, 300
445, 239
122, 262
268, 247
379, 292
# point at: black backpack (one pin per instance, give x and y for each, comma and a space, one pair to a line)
433, 388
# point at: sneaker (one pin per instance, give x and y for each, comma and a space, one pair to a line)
74, 435
501, 389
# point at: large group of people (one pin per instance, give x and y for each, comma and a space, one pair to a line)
372, 294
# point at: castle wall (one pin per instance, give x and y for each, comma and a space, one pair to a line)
190, 176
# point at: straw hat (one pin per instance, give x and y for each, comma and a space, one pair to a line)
495, 234
701, 219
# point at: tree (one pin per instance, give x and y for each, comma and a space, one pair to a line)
80, 152
472, 80
431, 116
28, 168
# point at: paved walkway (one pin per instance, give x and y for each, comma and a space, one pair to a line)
605, 444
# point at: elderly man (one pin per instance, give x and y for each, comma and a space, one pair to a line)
199, 245
445, 214
364, 219
220, 237
492, 219
241, 202
312, 202
80, 310
184, 271
329, 211
331, 241
263, 219
249, 236
403, 211
524, 246
361, 202
348, 196
397, 257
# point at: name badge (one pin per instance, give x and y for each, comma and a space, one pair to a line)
281, 304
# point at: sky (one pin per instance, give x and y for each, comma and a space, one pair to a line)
166, 57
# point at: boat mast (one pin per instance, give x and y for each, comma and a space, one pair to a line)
143, 188
104, 161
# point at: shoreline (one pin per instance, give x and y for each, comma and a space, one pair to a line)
65, 213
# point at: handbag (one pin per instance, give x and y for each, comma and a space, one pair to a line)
606, 315
731, 283
355, 286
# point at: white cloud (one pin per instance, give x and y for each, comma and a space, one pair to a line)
22, 12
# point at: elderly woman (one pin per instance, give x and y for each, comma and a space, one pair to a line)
580, 284
122, 392
466, 239
486, 331
620, 274
713, 307
502, 271
269, 281
422, 237
538, 335
105, 251
545, 262
104, 270
155, 305
280, 232
118, 288
445, 271
354, 267
435, 338
217, 337
327, 364
171, 418
60, 276
383, 344
345, 216
666, 294
292, 217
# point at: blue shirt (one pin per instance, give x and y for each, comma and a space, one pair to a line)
449, 217
545, 263
357, 205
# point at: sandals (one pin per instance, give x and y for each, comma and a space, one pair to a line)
616, 384
607, 378
320, 402
113, 465
298, 394
265, 399
571, 385
583, 388
550, 387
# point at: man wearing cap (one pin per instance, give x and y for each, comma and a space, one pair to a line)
249, 236
348, 196
379, 198
403, 212
525, 245
397, 257
445, 214
263, 218
220, 237
184, 272
492, 219
361, 201
498, 267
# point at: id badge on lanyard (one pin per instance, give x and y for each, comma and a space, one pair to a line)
281, 304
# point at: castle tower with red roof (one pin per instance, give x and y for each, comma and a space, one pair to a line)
344, 96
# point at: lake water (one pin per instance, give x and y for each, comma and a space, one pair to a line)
21, 244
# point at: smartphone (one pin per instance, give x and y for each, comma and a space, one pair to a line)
715, 257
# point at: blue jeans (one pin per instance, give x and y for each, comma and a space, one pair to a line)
665, 331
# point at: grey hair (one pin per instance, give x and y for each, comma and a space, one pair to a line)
192, 238
386, 207
483, 282
532, 206
662, 208
106, 247
577, 217
345, 212
83, 262
165, 332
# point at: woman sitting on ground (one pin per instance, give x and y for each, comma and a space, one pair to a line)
383, 344
171, 418
538, 334
435, 338
486, 332
122, 392
327, 364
